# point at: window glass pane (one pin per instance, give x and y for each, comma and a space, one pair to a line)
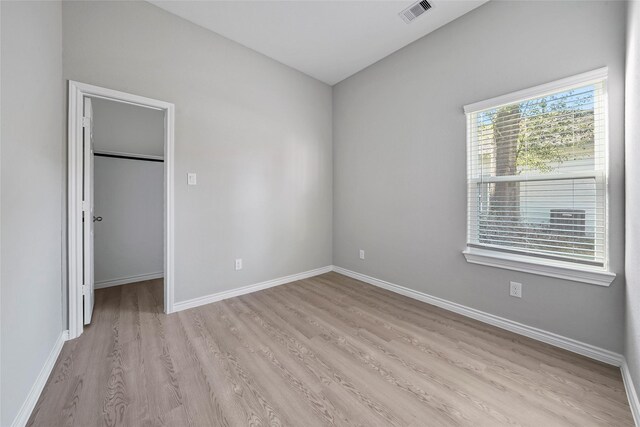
559, 218
547, 135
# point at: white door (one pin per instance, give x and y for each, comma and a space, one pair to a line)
88, 216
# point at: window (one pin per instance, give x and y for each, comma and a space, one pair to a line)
537, 178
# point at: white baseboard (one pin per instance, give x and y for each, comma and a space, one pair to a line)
570, 344
36, 389
207, 299
632, 394
130, 279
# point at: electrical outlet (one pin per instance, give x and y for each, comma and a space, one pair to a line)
239, 264
361, 253
515, 289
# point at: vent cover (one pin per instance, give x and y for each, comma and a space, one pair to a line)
415, 10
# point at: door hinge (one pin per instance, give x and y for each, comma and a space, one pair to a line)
85, 206
86, 121
85, 289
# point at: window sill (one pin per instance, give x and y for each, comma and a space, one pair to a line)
543, 267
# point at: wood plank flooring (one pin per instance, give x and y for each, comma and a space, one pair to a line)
328, 350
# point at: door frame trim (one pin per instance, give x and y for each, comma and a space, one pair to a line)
77, 91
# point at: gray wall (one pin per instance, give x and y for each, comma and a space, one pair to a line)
129, 194
400, 158
257, 133
632, 145
32, 111
125, 128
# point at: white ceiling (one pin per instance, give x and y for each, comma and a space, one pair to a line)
328, 40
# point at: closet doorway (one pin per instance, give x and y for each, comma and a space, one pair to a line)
120, 195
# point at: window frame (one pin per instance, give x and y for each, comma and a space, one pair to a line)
596, 275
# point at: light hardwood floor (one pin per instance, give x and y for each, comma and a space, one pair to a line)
328, 350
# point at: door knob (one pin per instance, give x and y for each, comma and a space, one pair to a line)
97, 218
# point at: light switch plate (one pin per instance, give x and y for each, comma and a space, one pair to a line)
192, 179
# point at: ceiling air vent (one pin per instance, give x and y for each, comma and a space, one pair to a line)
415, 10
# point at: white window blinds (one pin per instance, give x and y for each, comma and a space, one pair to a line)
537, 171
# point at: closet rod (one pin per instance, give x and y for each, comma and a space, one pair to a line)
121, 156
